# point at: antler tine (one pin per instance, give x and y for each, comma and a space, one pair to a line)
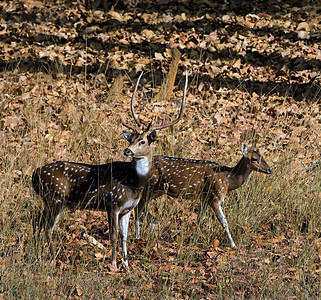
181, 109
149, 125
132, 101
132, 107
127, 125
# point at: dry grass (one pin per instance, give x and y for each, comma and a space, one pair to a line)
274, 219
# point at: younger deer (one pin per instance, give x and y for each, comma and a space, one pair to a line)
208, 179
114, 187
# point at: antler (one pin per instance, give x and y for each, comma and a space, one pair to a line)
132, 107
149, 125
127, 125
181, 110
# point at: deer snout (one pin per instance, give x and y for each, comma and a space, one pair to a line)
128, 152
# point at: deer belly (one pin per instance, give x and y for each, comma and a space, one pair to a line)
183, 189
128, 205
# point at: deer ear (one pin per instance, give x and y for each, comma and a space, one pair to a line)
152, 137
244, 149
128, 136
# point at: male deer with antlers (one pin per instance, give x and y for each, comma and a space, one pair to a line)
207, 179
114, 187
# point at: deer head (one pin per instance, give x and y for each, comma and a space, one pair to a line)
148, 135
255, 160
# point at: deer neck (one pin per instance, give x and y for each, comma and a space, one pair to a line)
142, 169
239, 174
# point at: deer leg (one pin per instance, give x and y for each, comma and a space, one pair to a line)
220, 216
113, 225
49, 218
201, 212
38, 222
56, 218
123, 229
139, 210
151, 222
200, 217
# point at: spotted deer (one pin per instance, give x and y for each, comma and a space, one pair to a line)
114, 187
206, 179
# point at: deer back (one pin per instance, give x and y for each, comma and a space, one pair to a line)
177, 175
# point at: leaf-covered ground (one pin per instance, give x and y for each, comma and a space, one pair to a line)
67, 74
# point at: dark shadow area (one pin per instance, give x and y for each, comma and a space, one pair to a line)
91, 34
295, 90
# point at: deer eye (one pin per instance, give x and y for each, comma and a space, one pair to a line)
141, 142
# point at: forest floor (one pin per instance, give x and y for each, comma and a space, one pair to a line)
67, 75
